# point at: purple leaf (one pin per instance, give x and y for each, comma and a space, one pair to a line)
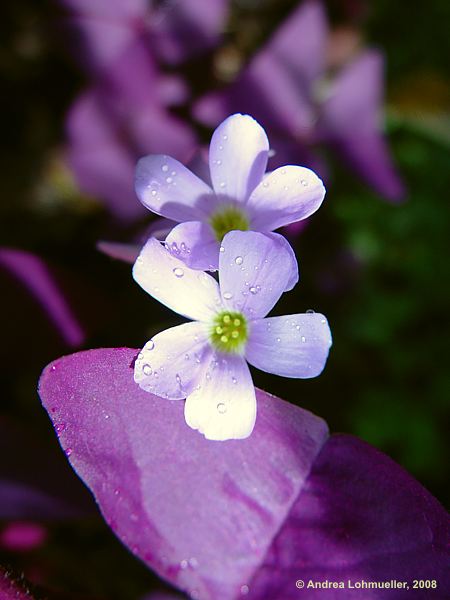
202, 514
36, 277
224, 519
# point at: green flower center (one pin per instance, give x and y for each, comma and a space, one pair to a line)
228, 219
229, 332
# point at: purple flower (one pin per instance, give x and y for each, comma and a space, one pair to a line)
205, 361
249, 517
287, 86
241, 197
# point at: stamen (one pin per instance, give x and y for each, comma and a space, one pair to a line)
226, 219
229, 332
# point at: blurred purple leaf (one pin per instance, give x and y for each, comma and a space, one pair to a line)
35, 276
288, 87
121, 118
226, 519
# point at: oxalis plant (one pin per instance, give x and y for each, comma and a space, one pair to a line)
222, 489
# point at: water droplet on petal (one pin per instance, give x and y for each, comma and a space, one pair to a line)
304, 182
68, 451
184, 564
193, 562
186, 357
245, 590
150, 345
253, 290
310, 311
239, 260
221, 408
278, 340
234, 380
228, 295
165, 168
222, 184
169, 179
153, 192
303, 339
178, 272
146, 369
225, 137
60, 427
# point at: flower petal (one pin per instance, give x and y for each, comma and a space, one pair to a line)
171, 363
254, 270
290, 346
168, 188
194, 294
286, 195
224, 407
238, 156
202, 514
194, 243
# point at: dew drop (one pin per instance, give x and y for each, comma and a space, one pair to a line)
193, 563
68, 451
169, 179
234, 380
228, 295
186, 357
239, 260
221, 249
304, 182
154, 192
165, 168
184, 564
225, 137
265, 184
173, 173
178, 272
310, 311
60, 427
221, 408
253, 290
303, 339
150, 345
222, 184
147, 370
245, 590
278, 340
218, 162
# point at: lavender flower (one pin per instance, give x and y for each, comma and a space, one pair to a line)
205, 361
241, 197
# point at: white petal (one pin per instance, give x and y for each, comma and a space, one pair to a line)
291, 346
191, 293
224, 407
171, 364
168, 188
286, 195
238, 156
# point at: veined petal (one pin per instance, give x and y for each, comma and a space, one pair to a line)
194, 243
194, 294
168, 188
254, 270
285, 196
224, 407
291, 346
238, 156
171, 364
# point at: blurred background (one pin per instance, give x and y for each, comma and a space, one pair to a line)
358, 90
